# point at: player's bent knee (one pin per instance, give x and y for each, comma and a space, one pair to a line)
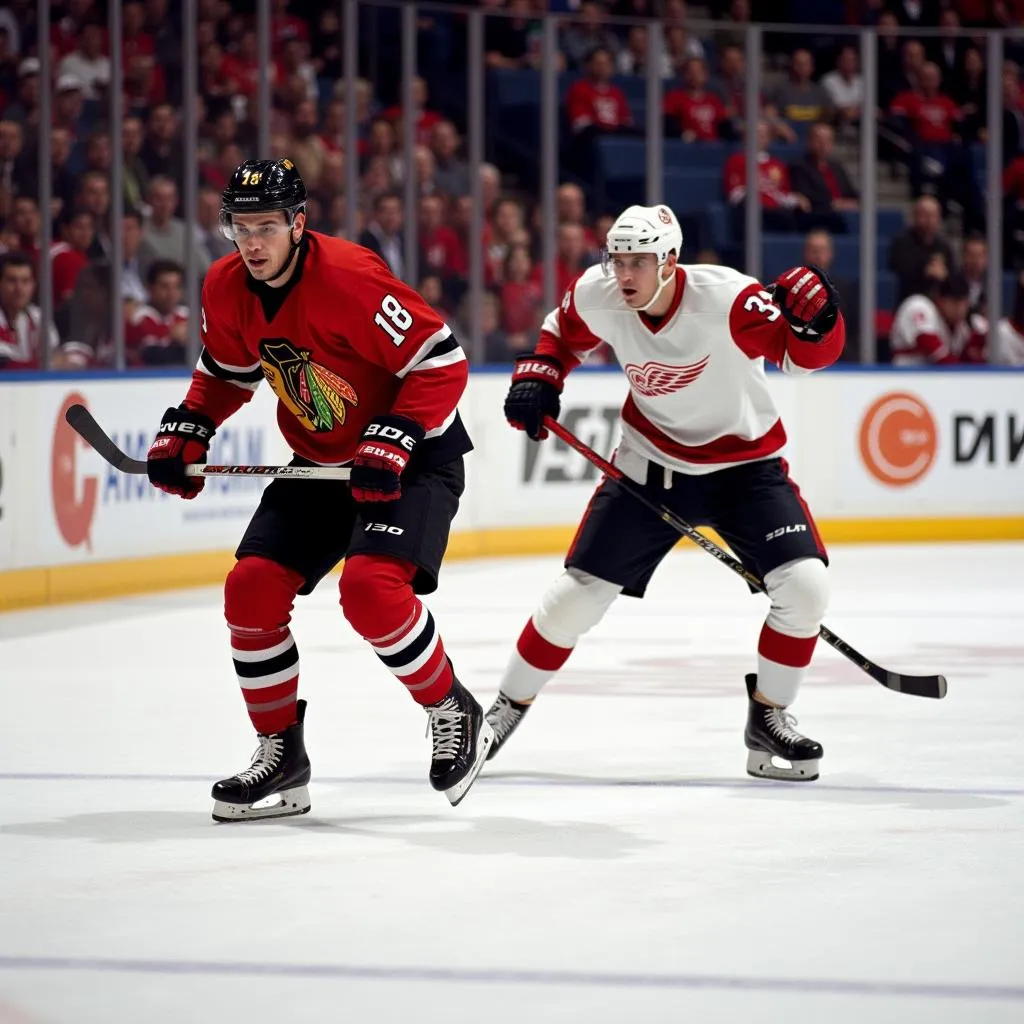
799, 593
375, 591
574, 603
259, 593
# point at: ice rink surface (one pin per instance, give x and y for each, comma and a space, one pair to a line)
614, 864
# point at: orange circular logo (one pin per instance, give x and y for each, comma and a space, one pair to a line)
898, 439
74, 499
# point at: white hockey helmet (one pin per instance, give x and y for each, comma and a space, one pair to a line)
646, 229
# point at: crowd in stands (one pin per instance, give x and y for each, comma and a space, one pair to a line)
931, 120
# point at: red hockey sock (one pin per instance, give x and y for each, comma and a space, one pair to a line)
378, 600
258, 598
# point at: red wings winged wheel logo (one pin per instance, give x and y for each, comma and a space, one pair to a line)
654, 379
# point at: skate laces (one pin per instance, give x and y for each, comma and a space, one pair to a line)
504, 718
781, 724
264, 761
445, 722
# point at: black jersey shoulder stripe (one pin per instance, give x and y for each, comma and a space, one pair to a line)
443, 347
233, 374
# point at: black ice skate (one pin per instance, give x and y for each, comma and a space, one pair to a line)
504, 715
769, 734
279, 769
462, 738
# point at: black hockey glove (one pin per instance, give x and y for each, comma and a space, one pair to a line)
535, 393
384, 451
808, 300
183, 439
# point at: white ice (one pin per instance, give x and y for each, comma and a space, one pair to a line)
614, 864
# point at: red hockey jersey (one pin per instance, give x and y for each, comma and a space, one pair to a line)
342, 342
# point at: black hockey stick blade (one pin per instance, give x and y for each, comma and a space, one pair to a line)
83, 423
916, 686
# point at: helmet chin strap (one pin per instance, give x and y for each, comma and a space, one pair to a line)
662, 282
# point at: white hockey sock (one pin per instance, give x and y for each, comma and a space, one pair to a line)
533, 662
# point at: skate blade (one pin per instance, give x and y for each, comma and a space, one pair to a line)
761, 765
484, 740
288, 803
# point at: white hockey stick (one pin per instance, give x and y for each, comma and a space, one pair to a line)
92, 433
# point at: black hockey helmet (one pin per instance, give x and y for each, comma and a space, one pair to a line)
260, 186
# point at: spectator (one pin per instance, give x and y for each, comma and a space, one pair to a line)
136, 176
779, 202
85, 321
133, 289
911, 253
680, 47
384, 234
93, 195
571, 208
20, 320
970, 93
632, 58
891, 79
490, 186
87, 63
307, 150
581, 37
736, 16
1013, 214
156, 333
209, 234
594, 107
15, 165
63, 180
845, 87
695, 114
820, 252
425, 118
975, 270
937, 327
452, 174
571, 257
521, 293
948, 51
294, 60
24, 224
243, 67
511, 42
433, 294
164, 234
376, 179
1007, 348
326, 46
800, 99
823, 181
285, 27
495, 340
25, 108
1013, 112
70, 255
439, 245
161, 153
68, 107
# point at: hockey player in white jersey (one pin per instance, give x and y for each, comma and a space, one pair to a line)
700, 434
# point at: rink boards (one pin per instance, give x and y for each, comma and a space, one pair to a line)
879, 456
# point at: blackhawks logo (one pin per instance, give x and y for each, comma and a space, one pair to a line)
313, 393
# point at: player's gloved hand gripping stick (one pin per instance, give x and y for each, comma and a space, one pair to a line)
917, 686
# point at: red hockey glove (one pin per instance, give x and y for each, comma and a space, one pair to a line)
182, 440
808, 300
535, 393
384, 451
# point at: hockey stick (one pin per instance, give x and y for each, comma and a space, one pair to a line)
92, 433
917, 686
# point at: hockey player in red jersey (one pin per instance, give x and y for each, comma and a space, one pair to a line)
700, 434
367, 376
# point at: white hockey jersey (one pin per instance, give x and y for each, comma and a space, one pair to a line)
698, 397
920, 336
